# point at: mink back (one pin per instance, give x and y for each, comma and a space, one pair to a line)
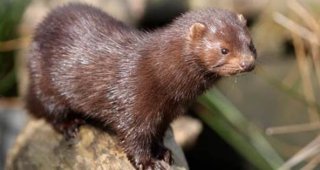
82, 59
86, 65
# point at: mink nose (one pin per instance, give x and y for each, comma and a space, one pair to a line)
248, 63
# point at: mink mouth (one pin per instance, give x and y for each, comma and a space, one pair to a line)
232, 70
229, 71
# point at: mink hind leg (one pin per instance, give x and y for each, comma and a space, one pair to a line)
63, 119
67, 124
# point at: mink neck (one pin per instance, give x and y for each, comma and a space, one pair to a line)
176, 72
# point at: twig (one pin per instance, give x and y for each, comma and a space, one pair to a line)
14, 44
316, 61
11, 102
305, 76
314, 25
294, 27
304, 14
312, 164
292, 128
312, 149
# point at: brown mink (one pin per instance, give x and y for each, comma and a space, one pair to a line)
86, 65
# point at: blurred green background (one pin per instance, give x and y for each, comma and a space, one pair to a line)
266, 119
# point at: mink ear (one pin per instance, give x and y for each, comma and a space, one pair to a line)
197, 30
242, 19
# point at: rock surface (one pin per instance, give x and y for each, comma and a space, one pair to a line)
39, 147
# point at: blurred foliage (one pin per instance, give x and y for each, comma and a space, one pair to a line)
223, 117
11, 12
295, 79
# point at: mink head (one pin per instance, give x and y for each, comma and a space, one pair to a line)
220, 40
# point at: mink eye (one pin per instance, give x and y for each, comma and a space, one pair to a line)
224, 51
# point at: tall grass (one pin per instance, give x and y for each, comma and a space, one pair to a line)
223, 117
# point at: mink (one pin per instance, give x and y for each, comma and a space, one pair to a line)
86, 65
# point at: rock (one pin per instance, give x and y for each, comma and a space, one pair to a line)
39, 147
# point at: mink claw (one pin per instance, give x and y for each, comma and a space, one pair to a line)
165, 155
155, 165
149, 164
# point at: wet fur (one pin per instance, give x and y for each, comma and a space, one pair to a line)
85, 65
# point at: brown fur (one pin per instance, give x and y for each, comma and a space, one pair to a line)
85, 65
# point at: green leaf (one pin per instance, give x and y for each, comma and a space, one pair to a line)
223, 117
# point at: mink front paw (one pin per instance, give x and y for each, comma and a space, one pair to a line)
143, 163
152, 164
165, 155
